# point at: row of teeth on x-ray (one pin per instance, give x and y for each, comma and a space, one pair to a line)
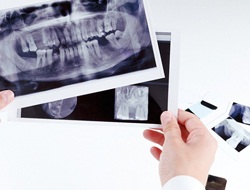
75, 40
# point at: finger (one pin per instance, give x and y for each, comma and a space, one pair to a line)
170, 127
184, 133
154, 136
156, 152
189, 120
6, 97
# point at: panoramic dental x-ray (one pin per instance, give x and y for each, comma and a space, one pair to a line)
58, 43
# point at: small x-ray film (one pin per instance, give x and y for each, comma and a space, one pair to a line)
131, 103
60, 108
233, 134
202, 109
58, 44
140, 103
240, 113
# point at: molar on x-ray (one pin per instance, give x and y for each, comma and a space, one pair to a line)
131, 103
58, 43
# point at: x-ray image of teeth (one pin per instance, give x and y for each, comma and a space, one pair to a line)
61, 108
240, 113
232, 132
131, 103
58, 43
100, 106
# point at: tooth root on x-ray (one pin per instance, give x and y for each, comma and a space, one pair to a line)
44, 58
60, 36
113, 18
83, 30
45, 37
24, 45
93, 48
55, 38
107, 24
96, 48
67, 54
78, 33
71, 53
90, 48
80, 52
67, 35
41, 58
38, 57
49, 55
100, 28
73, 34
88, 29
31, 42
85, 53
76, 54
62, 55
92, 29
51, 40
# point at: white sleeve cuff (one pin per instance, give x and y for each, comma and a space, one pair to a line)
183, 182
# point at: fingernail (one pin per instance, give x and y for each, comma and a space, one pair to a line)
7, 96
166, 117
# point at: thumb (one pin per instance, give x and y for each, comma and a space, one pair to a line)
170, 126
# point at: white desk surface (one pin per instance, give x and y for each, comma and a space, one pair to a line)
214, 55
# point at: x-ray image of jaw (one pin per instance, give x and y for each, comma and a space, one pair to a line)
58, 43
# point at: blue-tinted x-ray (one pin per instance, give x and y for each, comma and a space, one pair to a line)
58, 43
235, 135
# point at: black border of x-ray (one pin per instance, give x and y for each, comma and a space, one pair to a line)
158, 101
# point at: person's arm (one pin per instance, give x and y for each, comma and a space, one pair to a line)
6, 97
188, 148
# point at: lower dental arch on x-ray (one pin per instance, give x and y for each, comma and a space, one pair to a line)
59, 43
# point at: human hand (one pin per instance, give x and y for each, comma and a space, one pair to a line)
6, 96
187, 147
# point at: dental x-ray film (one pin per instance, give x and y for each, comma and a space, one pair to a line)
140, 103
201, 109
58, 44
232, 131
240, 113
